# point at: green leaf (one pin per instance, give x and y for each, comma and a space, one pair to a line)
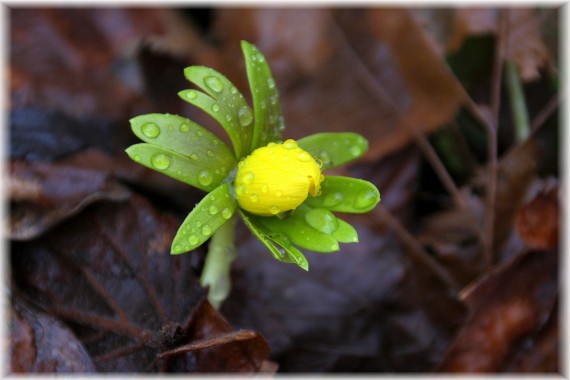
345, 194
345, 232
306, 227
205, 174
214, 210
278, 245
269, 121
184, 137
223, 102
334, 148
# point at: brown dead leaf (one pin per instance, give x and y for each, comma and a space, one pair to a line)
538, 221
525, 46
508, 309
39, 343
371, 71
109, 275
45, 194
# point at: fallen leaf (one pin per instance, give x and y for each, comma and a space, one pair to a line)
109, 275
39, 343
507, 309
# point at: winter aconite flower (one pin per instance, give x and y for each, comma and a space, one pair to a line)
277, 187
276, 178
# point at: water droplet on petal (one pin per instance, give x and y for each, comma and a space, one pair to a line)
184, 127
254, 198
333, 199
191, 94
206, 230
160, 161
150, 130
322, 220
233, 90
213, 210
365, 199
205, 178
194, 156
264, 189
214, 83
279, 193
215, 107
270, 83
304, 157
274, 210
245, 116
240, 190
137, 157
248, 177
355, 151
193, 239
290, 144
226, 213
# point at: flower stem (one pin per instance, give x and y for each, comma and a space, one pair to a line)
518, 105
216, 272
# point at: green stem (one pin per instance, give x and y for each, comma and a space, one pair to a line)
518, 104
216, 272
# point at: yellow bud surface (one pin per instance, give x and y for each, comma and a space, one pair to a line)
276, 178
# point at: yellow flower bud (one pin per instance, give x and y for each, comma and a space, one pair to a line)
276, 178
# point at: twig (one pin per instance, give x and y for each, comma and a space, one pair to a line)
492, 153
545, 113
370, 82
415, 249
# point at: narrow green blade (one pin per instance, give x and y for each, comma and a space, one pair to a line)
345, 194
312, 234
223, 102
269, 121
211, 213
334, 149
278, 245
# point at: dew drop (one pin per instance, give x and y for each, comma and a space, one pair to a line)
206, 230
194, 156
279, 193
270, 83
215, 107
324, 156
264, 189
365, 199
193, 239
274, 210
199, 133
150, 130
273, 100
226, 213
205, 178
233, 90
192, 94
240, 190
210, 153
355, 151
322, 220
177, 248
304, 157
228, 117
184, 127
213, 210
333, 199
214, 83
290, 144
244, 116
137, 157
248, 177
160, 161
254, 198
